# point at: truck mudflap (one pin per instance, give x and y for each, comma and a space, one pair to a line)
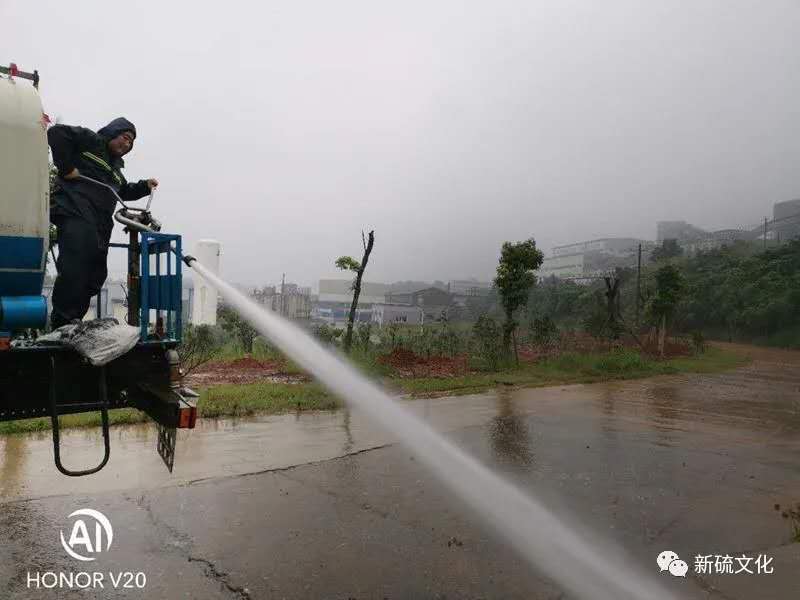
173, 410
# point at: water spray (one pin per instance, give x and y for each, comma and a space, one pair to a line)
587, 567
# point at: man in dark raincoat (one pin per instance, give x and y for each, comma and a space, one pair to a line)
83, 211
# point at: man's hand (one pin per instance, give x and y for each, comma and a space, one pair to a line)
152, 183
72, 174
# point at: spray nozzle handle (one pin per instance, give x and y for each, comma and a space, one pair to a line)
186, 258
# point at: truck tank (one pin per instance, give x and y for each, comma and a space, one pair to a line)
24, 205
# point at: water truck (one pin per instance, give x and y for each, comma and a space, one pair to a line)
38, 379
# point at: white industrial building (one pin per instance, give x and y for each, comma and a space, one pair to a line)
386, 314
294, 302
336, 297
612, 246
468, 287
593, 257
564, 266
340, 291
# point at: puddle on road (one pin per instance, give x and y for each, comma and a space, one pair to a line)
214, 448
755, 405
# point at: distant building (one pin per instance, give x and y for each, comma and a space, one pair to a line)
433, 301
786, 217
293, 306
400, 298
678, 230
563, 266
267, 290
460, 290
713, 240
294, 303
336, 296
593, 257
340, 291
386, 314
613, 246
340, 314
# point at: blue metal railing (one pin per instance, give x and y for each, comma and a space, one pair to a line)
161, 291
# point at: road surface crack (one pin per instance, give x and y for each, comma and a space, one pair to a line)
282, 469
222, 577
210, 569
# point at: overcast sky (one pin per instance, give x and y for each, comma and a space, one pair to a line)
284, 128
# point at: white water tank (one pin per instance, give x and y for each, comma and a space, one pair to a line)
24, 189
204, 308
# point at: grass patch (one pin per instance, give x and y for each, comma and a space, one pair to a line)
233, 400
242, 400
120, 416
230, 351
220, 401
575, 368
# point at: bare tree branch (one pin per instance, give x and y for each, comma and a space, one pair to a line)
348, 338
124, 291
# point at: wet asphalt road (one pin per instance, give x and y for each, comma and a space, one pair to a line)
325, 506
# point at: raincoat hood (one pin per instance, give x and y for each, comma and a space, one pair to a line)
116, 127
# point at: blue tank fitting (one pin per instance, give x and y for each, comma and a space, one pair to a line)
21, 312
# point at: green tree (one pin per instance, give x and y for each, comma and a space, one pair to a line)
746, 294
739, 291
348, 263
670, 286
237, 326
561, 300
514, 280
668, 249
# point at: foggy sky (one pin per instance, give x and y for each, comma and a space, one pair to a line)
283, 129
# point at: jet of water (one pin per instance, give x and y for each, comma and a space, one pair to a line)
584, 566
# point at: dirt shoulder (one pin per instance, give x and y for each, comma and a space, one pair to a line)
248, 386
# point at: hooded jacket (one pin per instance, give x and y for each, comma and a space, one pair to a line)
82, 148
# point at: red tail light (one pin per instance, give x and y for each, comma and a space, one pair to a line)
187, 417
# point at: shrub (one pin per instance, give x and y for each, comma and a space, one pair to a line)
698, 342
488, 341
327, 335
543, 331
363, 333
449, 343
390, 338
621, 361
200, 344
